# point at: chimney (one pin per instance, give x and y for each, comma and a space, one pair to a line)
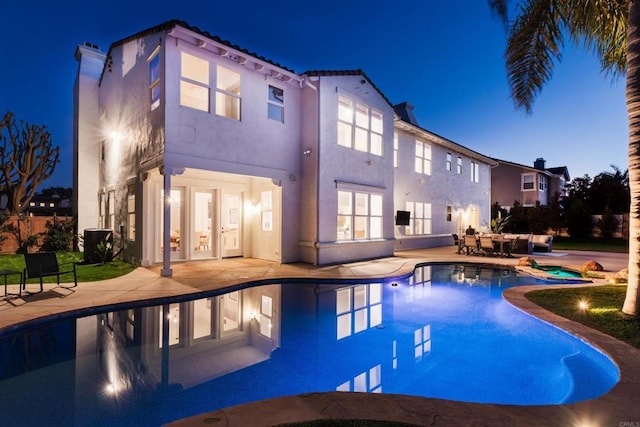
405, 111
539, 164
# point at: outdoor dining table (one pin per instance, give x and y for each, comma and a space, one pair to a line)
504, 244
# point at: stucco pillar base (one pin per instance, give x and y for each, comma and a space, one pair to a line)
166, 272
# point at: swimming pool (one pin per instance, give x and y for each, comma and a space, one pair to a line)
445, 332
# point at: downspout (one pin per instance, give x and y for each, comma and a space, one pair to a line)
316, 242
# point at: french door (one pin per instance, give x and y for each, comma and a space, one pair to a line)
231, 224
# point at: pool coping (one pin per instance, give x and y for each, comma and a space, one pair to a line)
620, 405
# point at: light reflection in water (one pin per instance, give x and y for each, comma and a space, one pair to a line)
445, 332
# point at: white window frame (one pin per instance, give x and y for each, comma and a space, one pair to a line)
449, 164
421, 219
360, 126
423, 158
395, 150
154, 78
191, 83
274, 104
223, 95
531, 185
542, 183
362, 214
459, 166
475, 172
131, 213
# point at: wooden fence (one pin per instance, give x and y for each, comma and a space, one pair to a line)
23, 227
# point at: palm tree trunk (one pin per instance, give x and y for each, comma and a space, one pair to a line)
633, 111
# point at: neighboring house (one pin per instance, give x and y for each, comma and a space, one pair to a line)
48, 205
515, 182
187, 142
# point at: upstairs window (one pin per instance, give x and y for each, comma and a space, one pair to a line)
194, 82
227, 93
459, 166
275, 105
528, 182
449, 165
359, 126
542, 183
423, 158
154, 79
475, 172
395, 150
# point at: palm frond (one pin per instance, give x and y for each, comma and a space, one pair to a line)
602, 26
499, 10
534, 45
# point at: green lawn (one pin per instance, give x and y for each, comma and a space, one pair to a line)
85, 273
603, 312
594, 244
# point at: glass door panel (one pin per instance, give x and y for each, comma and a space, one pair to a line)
202, 239
230, 312
231, 223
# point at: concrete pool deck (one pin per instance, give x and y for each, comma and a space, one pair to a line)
620, 407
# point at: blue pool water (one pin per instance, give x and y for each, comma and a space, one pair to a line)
445, 332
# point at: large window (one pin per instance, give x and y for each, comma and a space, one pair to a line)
359, 126
423, 158
154, 79
359, 216
528, 182
420, 223
449, 166
227, 93
475, 172
194, 82
275, 105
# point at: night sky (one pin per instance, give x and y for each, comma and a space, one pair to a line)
445, 58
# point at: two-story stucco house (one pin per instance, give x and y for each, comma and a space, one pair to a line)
528, 185
194, 148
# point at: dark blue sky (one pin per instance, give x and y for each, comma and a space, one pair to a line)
446, 58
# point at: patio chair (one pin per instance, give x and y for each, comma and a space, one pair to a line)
486, 245
44, 264
470, 245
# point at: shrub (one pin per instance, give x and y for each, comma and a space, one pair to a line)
59, 235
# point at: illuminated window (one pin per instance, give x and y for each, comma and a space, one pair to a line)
111, 210
358, 308
449, 165
131, 213
194, 83
359, 216
395, 150
423, 158
359, 126
475, 172
459, 166
227, 93
275, 105
420, 222
154, 78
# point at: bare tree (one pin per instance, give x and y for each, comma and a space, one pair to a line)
27, 158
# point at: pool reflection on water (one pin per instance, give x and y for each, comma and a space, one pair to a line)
445, 332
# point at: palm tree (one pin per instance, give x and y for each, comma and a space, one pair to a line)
611, 28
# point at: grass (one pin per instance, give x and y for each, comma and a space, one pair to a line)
603, 313
85, 272
602, 245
